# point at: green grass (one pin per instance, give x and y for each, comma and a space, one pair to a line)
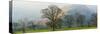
78, 28
28, 30
32, 31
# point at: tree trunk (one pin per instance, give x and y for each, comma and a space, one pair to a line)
53, 28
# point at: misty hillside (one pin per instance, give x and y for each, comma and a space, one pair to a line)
86, 10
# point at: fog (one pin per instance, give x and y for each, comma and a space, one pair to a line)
32, 10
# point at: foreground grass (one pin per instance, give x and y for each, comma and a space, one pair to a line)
47, 30
32, 31
78, 28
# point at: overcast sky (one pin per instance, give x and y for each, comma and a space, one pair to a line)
32, 10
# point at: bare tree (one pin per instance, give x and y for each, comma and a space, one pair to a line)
80, 20
24, 24
69, 20
94, 19
53, 13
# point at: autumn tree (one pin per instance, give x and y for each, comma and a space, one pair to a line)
54, 14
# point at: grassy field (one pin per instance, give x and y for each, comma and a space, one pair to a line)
48, 30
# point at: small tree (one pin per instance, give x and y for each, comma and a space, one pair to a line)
53, 13
80, 19
69, 20
94, 19
23, 22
